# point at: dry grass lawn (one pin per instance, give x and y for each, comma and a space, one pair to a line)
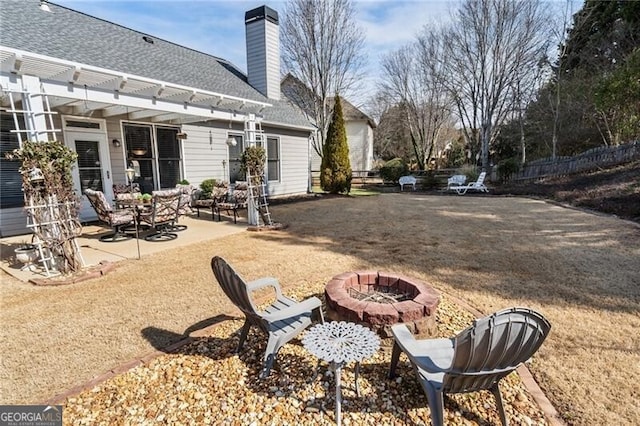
581, 270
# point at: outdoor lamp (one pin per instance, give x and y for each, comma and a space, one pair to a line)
35, 175
116, 143
231, 141
131, 173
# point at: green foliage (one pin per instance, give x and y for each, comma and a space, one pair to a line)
602, 35
507, 168
206, 187
393, 170
55, 161
619, 95
145, 197
335, 172
183, 182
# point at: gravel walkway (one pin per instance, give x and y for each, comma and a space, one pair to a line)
205, 382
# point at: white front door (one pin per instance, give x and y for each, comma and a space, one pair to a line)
93, 168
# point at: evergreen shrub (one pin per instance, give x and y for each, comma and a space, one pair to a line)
335, 172
393, 169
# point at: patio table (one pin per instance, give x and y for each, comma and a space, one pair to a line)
339, 343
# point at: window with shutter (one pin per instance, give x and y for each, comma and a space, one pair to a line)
10, 178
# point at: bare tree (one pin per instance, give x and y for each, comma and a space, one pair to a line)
322, 48
410, 80
493, 44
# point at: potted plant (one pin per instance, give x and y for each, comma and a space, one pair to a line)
27, 254
145, 198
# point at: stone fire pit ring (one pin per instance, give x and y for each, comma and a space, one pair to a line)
382, 299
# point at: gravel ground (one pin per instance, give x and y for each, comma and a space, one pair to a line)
205, 382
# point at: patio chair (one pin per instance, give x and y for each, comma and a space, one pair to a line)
478, 185
218, 195
165, 206
237, 202
282, 321
456, 180
125, 195
117, 219
476, 359
185, 205
407, 180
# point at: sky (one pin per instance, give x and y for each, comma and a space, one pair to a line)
216, 27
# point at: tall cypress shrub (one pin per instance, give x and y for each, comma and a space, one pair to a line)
335, 173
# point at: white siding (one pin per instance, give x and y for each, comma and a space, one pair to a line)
294, 163
360, 140
204, 149
116, 155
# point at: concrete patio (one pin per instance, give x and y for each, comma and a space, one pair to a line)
95, 251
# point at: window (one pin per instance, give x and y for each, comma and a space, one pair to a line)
10, 178
273, 158
235, 160
140, 155
168, 156
146, 157
89, 168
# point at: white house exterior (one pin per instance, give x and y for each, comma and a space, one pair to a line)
359, 127
121, 98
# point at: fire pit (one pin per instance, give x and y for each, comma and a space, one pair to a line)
380, 300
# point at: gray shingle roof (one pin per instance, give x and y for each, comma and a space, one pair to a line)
73, 36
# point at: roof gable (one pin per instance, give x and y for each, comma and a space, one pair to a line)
302, 96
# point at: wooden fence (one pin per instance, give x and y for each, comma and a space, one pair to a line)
372, 177
589, 160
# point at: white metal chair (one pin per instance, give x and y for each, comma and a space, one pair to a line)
407, 180
476, 359
456, 180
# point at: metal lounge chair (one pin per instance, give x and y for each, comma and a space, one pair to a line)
163, 214
117, 219
478, 185
476, 359
282, 321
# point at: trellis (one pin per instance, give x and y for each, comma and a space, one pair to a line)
55, 227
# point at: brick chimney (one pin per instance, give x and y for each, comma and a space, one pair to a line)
263, 50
